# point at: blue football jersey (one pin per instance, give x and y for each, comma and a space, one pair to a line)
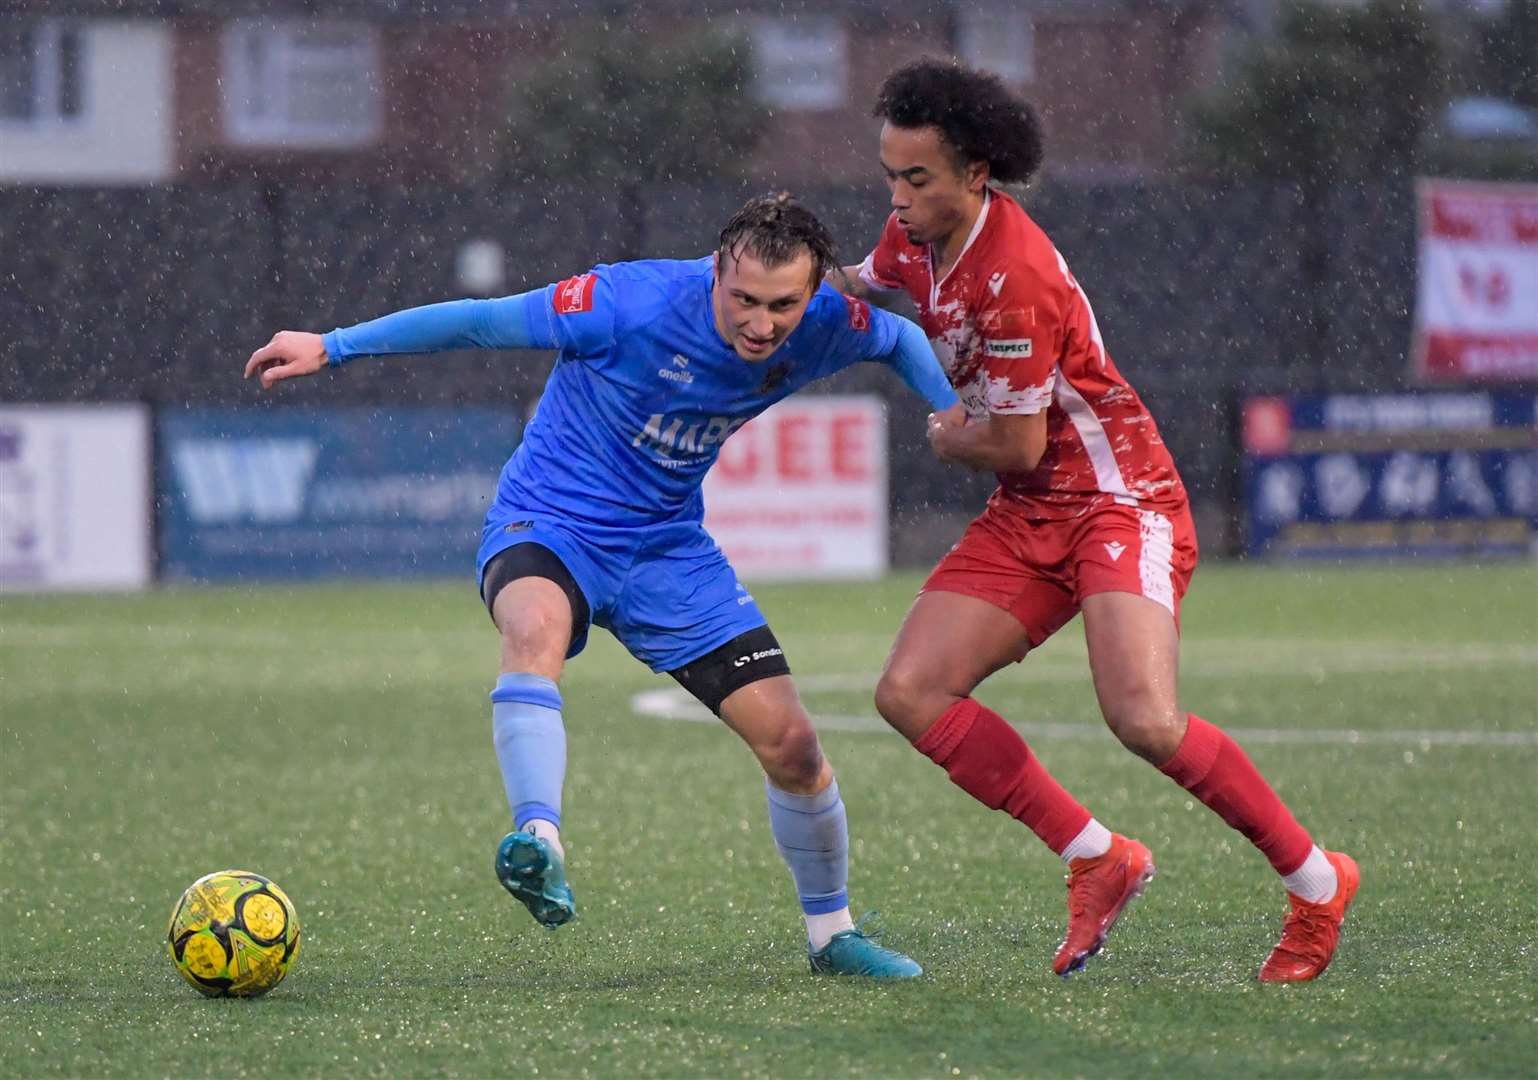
644, 390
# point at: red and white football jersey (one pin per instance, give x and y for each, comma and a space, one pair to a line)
1016, 335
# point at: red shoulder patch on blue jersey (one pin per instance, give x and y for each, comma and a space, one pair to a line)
574, 295
859, 314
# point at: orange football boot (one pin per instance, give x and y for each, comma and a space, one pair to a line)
1310, 932
1098, 890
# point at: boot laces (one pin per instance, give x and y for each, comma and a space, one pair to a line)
1305, 933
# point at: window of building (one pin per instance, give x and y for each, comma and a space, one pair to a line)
997, 38
801, 63
310, 85
42, 72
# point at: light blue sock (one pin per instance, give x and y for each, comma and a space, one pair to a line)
531, 745
812, 833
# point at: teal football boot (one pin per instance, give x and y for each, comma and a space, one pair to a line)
532, 871
854, 952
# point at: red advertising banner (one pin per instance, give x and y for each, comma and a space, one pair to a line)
801, 491
1476, 311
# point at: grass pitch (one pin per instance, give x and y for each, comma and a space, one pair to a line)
336, 739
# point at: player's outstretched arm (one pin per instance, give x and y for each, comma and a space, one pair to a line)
510, 322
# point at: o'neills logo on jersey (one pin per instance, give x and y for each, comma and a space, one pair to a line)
859, 314
1015, 349
574, 295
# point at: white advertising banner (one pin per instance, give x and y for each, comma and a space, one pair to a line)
74, 497
1476, 311
801, 491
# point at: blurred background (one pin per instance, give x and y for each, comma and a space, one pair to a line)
1309, 232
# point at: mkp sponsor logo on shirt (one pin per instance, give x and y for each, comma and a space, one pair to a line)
677, 435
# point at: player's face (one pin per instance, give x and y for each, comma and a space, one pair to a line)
932, 197
758, 306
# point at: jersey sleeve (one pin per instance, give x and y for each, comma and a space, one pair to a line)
1020, 330
509, 322
580, 313
849, 330
879, 270
914, 361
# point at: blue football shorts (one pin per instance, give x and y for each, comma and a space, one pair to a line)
665, 591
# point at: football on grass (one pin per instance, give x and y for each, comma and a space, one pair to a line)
233, 934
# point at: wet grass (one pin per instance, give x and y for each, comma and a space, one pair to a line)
337, 740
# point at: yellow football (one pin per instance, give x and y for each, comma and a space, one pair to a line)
233, 934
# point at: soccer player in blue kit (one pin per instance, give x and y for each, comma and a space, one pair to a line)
598, 513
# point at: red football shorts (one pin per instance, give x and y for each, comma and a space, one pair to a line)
1041, 571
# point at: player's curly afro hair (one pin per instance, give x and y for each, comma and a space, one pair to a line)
776, 228
978, 115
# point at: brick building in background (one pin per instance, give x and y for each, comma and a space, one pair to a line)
149, 91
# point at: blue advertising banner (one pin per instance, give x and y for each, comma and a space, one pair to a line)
304, 493
1395, 474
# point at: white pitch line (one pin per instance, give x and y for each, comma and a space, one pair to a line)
675, 703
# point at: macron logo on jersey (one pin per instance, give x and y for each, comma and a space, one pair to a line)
996, 283
859, 314
1015, 349
574, 295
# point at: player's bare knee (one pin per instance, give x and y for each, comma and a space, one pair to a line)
792, 760
531, 632
1148, 727
911, 701
905, 699
890, 696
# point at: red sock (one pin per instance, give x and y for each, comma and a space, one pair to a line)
988, 759
1212, 767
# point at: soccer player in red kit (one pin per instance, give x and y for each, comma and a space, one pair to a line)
1090, 517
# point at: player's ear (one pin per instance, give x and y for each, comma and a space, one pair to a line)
977, 173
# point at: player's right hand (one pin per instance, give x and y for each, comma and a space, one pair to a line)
953, 417
289, 353
847, 280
